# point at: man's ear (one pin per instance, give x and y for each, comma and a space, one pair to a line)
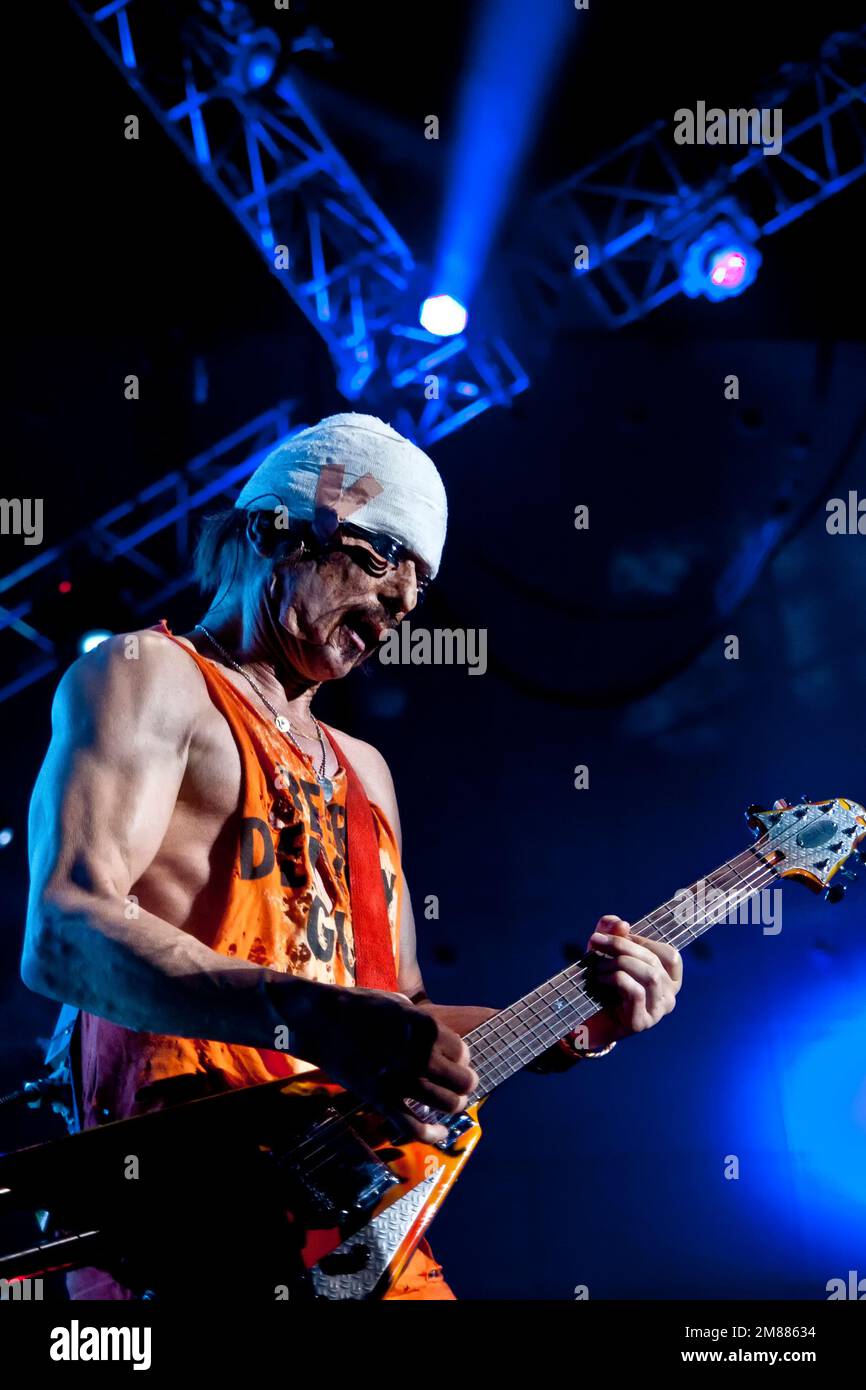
260, 532
273, 542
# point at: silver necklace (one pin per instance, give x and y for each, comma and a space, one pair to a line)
280, 720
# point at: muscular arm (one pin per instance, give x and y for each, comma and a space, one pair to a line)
104, 798
100, 809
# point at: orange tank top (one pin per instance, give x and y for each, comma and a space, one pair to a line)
278, 896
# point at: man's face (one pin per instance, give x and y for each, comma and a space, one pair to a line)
334, 613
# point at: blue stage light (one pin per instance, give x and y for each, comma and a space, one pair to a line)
720, 263
513, 53
260, 68
804, 1098
728, 269
255, 59
443, 315
88, 640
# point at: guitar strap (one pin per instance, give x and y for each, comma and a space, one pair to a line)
371, 930
374, 954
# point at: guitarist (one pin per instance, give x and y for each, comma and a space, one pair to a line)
189, 835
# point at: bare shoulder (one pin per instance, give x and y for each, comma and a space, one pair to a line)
374, 772
131, 678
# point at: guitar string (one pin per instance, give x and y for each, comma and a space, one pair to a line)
497, 1065
760, 869
651, 924
754, 855
751, 884
334, 1128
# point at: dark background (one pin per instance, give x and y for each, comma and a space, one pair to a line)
605, 647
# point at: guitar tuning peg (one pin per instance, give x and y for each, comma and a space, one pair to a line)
836, 893
751, 816
781, 805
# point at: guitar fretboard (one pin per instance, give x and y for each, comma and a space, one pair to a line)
517, 1035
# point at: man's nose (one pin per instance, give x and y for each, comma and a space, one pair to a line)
399, 592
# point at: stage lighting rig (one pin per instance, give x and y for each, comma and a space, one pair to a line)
648, 221
246, 57
722, 261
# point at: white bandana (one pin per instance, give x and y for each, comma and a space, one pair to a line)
355, 467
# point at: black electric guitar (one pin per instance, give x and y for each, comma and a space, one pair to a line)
299, 1179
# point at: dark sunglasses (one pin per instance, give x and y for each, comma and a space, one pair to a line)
388, 548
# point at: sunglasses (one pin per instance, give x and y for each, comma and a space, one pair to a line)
387, 548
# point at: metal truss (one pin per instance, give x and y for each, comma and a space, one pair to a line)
321, 235
634, 208
353, 277
139, 548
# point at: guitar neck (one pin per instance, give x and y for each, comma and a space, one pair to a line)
517, 1035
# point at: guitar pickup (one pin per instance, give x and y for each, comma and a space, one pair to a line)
457, 1127
333, 1173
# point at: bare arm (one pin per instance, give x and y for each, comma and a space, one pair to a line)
101, 806
100, 809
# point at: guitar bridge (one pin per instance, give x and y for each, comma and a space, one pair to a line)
334, 1175
457, 1125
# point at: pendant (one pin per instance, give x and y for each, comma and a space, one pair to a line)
327, 787
283, 724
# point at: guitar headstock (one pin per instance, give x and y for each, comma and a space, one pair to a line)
812, 841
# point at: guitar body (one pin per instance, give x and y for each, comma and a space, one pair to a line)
352, 1261
332, 1207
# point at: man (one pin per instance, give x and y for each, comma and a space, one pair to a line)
189, 884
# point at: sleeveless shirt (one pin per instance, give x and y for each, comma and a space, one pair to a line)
278, 896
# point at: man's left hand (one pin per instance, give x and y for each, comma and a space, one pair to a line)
646, 976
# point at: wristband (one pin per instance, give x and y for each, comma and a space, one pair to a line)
584, 1052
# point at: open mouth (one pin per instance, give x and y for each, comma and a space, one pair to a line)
364, 632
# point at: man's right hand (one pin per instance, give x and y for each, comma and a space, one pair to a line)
384, 1050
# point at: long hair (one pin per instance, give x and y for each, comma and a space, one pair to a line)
222, 554
219, 550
